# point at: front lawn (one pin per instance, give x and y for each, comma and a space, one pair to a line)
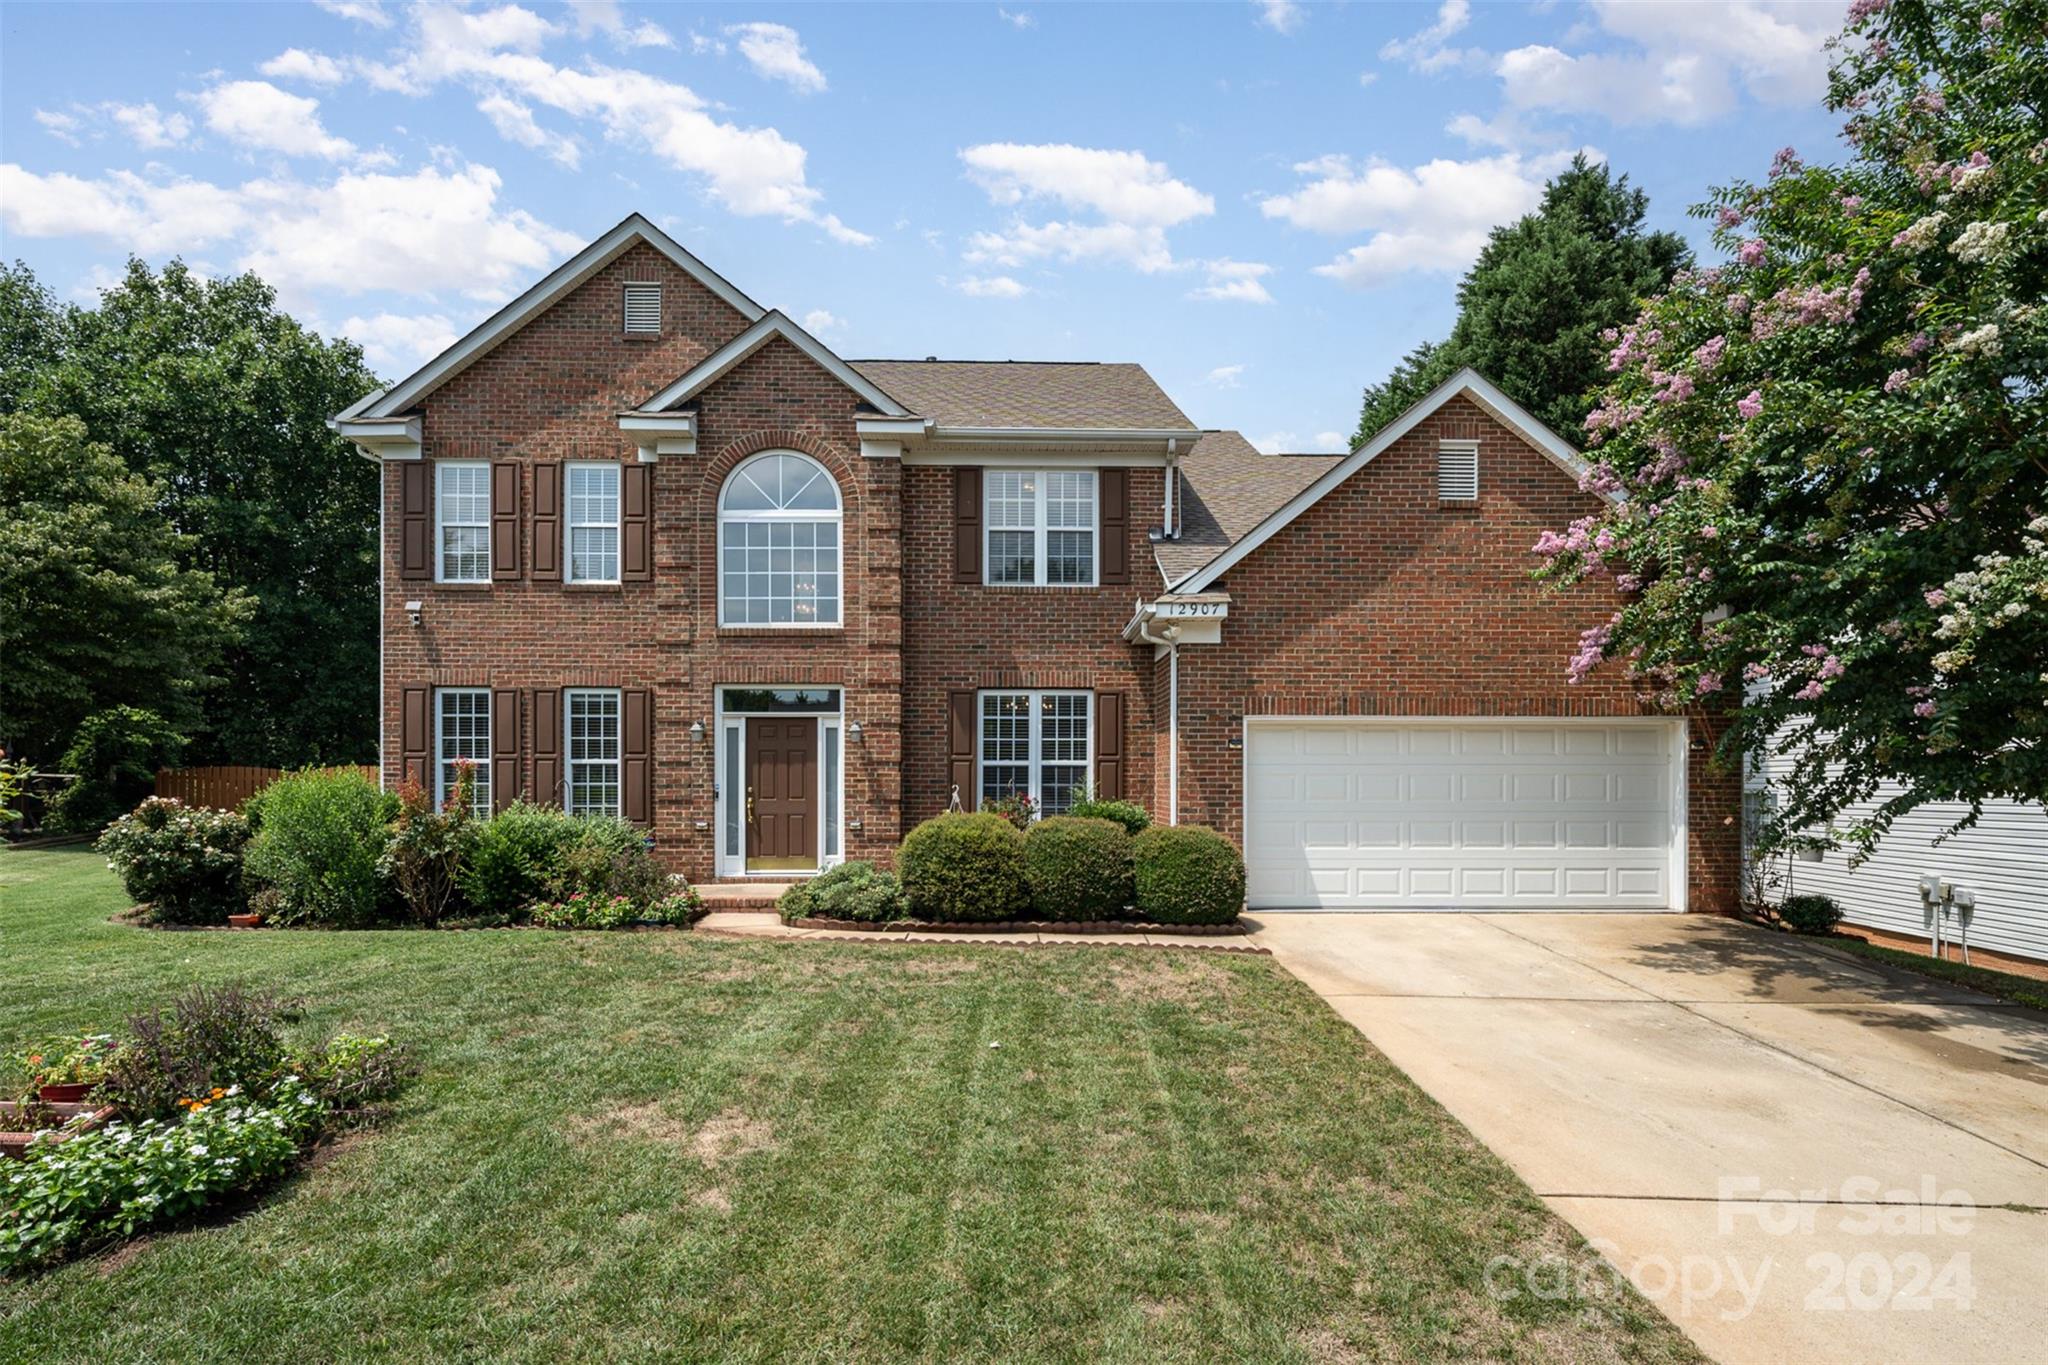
633, 1145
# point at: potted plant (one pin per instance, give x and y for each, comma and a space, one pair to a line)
247, 919
65, 1072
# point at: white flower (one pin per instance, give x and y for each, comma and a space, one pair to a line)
1978, 341
1922, 234
1980, 242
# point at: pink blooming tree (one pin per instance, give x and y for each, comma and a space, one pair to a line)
1825, 463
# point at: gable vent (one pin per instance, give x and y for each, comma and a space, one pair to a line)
643, 309
1457, 471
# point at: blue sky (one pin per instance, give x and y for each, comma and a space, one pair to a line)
1264, 203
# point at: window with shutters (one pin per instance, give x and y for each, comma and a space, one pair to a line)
462, 734
593, 490
643, 310
593, 742
1036, 743
462, 509
778, 543
1039, 527
1457, 471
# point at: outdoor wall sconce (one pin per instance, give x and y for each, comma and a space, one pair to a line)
855, 733
1234, 742
412, 610
696, 729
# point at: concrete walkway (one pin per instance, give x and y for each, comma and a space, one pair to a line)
1799, 1156
767, 924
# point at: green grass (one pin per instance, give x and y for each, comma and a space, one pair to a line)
676, 1145
2021, 990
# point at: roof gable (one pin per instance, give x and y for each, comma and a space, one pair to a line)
1228, 486
773, 323
1468, 382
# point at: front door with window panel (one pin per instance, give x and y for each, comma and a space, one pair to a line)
782, 793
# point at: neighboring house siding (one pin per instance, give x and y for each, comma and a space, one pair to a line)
1378, 600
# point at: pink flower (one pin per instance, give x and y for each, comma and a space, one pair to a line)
1924, 710
1920, 342
1730, 216
1992, 21
1863, 9
1851, 202
1935, 597
1709, 355
1710, 531
1751, 404
1756, 672
1706, 683
1784, 163
1751, 252
1810, 692
1897, 380
1592, 649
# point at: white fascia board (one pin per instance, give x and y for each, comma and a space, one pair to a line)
892, 428
552, 286
660, 433
1089, 455
1466, 381
381, 438
772, 324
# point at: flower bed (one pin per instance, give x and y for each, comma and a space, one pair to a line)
1025, 926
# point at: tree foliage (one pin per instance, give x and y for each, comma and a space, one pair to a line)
1532, 307
1828, 460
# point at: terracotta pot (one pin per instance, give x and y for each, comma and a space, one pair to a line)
64, 1094
244, 921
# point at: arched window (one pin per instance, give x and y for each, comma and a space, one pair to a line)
778, 543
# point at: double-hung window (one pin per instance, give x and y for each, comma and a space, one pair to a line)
1040, 527
1036, 744
462, 724
593, 718
462, 494
593, 522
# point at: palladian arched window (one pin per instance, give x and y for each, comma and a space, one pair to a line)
778, 543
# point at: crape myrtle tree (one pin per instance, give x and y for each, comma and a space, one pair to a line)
1826, 462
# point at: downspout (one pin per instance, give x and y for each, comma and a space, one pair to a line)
381, 568
1169, 639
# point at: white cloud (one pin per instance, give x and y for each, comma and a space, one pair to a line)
1366, 78
819, 322
1282, 16
1235, 281
149, 127
1290, 443
1430, 50
1143, 248
369, 12
604, 16
701, 44
990, 287
297, 64
515, 123
62, 126
777, 54
1224, 376
142, 216
1330, 442
1018, 18
1432, 218
1124, 187
397, 345
258, 115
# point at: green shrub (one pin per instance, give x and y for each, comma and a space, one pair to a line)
423, 858
1809, 914
209, 1039
184, 862
1078, 868
515, 856
964, 867
1018, 808
115, 754
610, 858
585, 910
319, 839
351, 1072
1188, 875
1129, 814
851, 891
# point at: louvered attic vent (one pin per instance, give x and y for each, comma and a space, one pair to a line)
643, 309
1457, 471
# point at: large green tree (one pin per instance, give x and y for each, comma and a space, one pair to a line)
206, 388
1828, 460
96, 607
1532, 307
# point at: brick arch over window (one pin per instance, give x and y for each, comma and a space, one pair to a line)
841, 464
780, 516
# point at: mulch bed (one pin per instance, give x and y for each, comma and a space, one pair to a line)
1027, 926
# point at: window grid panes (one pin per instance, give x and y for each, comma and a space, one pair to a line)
593, 752
464, 495
735, 783
1039, 527
594, 523
779, 544
464, 727
1037, 743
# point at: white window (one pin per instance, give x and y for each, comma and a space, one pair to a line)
643, 309
1036, 743
593, 523
593, 715
1039, 527
778, 544
1457, 471
462, 494
463, 735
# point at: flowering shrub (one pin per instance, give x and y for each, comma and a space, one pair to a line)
72, 1061
1018, 808
424, 854
184, 862
209, 1038
586, 910
1826, 492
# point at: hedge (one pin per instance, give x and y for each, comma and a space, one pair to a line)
965, 867
1079, 869
1188, 875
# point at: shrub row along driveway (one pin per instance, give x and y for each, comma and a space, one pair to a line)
642, 1145
1634, 1069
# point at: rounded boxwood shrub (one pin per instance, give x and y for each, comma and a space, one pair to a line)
852, 891
1129, 814
516, 856
1078, 868
184, 862
1188, 875
964, 867
1810, 914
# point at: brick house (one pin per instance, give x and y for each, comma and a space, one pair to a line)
652, 549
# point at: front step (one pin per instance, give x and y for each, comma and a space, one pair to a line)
741, 895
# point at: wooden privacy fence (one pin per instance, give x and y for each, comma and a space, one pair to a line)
226, 786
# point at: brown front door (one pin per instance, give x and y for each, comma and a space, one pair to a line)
782, 793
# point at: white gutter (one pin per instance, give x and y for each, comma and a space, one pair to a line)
1169, 640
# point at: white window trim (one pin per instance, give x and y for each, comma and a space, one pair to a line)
441, 522
441, 758
837, 517
728, 800
569, 759
1039, 530
570, 526
1035, 760
1465, 451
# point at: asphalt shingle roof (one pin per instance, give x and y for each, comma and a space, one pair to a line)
1012, 393
1227, 488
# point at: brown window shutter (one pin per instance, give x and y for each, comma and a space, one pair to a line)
547, 520
415, 519
1116, 525
505, 519
1109, 746
962, 725
415, 732
547, 746
504, 747
636, 523
636, 756
966, 526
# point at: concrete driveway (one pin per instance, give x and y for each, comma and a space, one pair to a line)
1798, 1156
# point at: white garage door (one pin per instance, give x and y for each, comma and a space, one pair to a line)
1462, 815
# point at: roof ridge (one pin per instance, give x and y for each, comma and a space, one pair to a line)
944, 360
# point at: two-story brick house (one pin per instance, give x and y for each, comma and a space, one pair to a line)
652, 549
